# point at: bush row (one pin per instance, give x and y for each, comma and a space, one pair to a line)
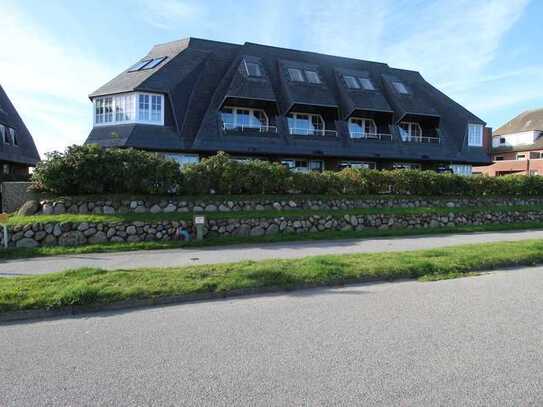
90, 169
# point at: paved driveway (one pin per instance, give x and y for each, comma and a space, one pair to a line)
468, 342
226, 254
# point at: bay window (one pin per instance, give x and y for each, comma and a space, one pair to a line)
362, 128
129, 108
306, 124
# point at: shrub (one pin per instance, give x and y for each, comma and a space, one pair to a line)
90, 169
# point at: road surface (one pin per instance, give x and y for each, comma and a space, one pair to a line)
227, 254
468, 342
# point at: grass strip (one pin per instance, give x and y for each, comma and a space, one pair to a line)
267, 214
45, 251
93, 286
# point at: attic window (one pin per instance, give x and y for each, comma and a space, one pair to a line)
147, 64
312, 77
400, 88
351, 82
295, 75
251, 69
366, 83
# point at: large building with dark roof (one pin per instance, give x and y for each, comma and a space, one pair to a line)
17, 149
193, 97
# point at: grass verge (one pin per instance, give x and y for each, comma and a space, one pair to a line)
94, 286
267, 214
15, 253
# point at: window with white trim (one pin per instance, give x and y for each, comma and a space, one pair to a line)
521, 156
406, 166
351, 82
410, 131
295, 75
400, 88
312, 76
362, 127
129, 108
3, 133
358, 165
306, 124
475, 135
462, 169
303, 165
366, 83
241, 117
13, 137
251, 69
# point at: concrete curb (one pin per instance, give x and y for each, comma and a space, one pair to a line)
41, 314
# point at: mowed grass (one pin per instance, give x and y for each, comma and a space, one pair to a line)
45, 251
94, 286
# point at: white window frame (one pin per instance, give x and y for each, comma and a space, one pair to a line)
366, 83
366, 165
410, 136
362, 134
13, 136
99, 119
293, 74
351, 80
521, 156
290, 163
294, 115
312, 76
475, 135
465, 170
3, 132
400, 88
251, 111
184, 159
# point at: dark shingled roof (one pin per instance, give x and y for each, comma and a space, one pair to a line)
201, 76
25, 152
526, 121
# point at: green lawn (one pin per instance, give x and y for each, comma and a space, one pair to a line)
14, 253
94, 286
148, 217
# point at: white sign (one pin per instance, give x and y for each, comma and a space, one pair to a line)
199, 220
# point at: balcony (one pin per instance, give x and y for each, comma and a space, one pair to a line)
420, 136
299, 131
383, 137
421, 139
249, 130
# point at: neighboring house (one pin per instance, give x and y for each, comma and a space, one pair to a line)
193, 97
517, 146
17, 149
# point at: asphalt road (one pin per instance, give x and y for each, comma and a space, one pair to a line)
469, 342
227, 254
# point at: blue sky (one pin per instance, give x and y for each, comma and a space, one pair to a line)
485, 54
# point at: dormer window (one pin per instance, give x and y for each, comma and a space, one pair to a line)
312, 76
306, 124
251, 69
295, 75
145, 108
410, 131
147, 64
362, 128
242, 118
475, 135
400, 88
13, 136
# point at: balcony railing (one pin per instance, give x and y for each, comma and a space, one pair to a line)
371, 136
249, 129
421, 139
295, 131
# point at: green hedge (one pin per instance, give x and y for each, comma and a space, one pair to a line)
90, 169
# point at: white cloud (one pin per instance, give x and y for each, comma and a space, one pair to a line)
47, 80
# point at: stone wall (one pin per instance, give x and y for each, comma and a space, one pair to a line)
178, 204
14, 194
68, 233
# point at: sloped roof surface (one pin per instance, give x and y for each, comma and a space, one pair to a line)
199, 76
25, 152
526, 121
